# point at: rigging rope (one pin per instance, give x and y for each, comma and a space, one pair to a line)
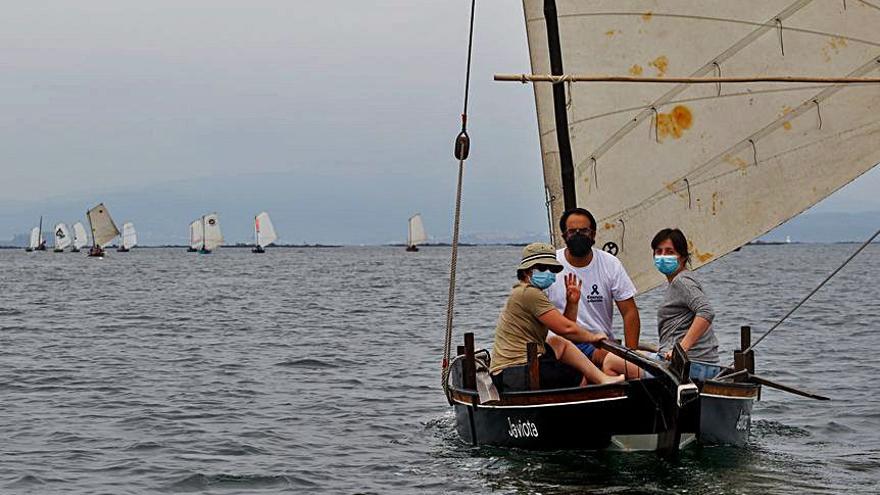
798, 305
462, 148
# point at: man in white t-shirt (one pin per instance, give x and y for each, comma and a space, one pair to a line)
603, 278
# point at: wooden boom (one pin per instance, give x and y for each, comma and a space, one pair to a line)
525, 78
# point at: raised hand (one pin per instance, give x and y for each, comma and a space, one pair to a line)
572, 288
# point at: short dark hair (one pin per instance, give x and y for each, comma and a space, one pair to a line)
576, 211
521, 274
679, 242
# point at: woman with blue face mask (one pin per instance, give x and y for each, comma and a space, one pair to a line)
685, 314
528, 315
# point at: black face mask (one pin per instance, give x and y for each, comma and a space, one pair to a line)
579, 245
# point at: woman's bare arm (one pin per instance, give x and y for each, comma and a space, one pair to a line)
560, 325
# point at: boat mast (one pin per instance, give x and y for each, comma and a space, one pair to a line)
204, 244
257, 231
40, 236
566, 162
409, 232
92, 228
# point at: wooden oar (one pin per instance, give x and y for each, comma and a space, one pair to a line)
653, 367
785, 388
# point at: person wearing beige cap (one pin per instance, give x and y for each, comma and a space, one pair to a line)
528, 315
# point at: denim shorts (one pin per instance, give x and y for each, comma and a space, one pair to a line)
587, 349
699, 370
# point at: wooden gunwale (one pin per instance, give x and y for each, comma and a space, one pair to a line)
559, 396
733, 390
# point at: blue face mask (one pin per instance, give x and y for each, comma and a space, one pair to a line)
667, 264
542, 280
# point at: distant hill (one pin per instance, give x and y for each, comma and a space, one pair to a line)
332, 209
325, 209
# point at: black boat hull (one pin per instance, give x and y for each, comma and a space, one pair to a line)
631, 416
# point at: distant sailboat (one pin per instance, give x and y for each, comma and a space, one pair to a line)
80, 238
37, 243
62, 238
34, 240
129, 238
212, 238
264, 232
103, 229
195, 236
416, 233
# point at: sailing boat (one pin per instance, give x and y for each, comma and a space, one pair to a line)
37, 243
34, 240
103, 229
723, 162
415, 232
129, 238
80, 238
62, 238
264, 232
195, 236
211, 237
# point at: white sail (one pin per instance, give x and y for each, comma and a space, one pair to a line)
103, 228
62, 236
724, 164
416, 230
195, 234
80, 238
35, 238
129, 236
264, 230
213, 238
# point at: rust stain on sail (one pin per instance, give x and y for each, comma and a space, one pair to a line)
674, 123
717, 203
695, 252
636, 70
833, 47
738, 162
647, 16
660, 63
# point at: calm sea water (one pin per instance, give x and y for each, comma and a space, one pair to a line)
317, 370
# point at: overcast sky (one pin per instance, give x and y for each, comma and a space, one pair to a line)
107, 96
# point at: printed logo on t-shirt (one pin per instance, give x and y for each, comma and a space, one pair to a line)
594, 296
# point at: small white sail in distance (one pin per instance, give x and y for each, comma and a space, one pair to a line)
416, 233
62, 236
35, 238
80, 238
103, 228
264, 230
213, 238
129, 236
195, 234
